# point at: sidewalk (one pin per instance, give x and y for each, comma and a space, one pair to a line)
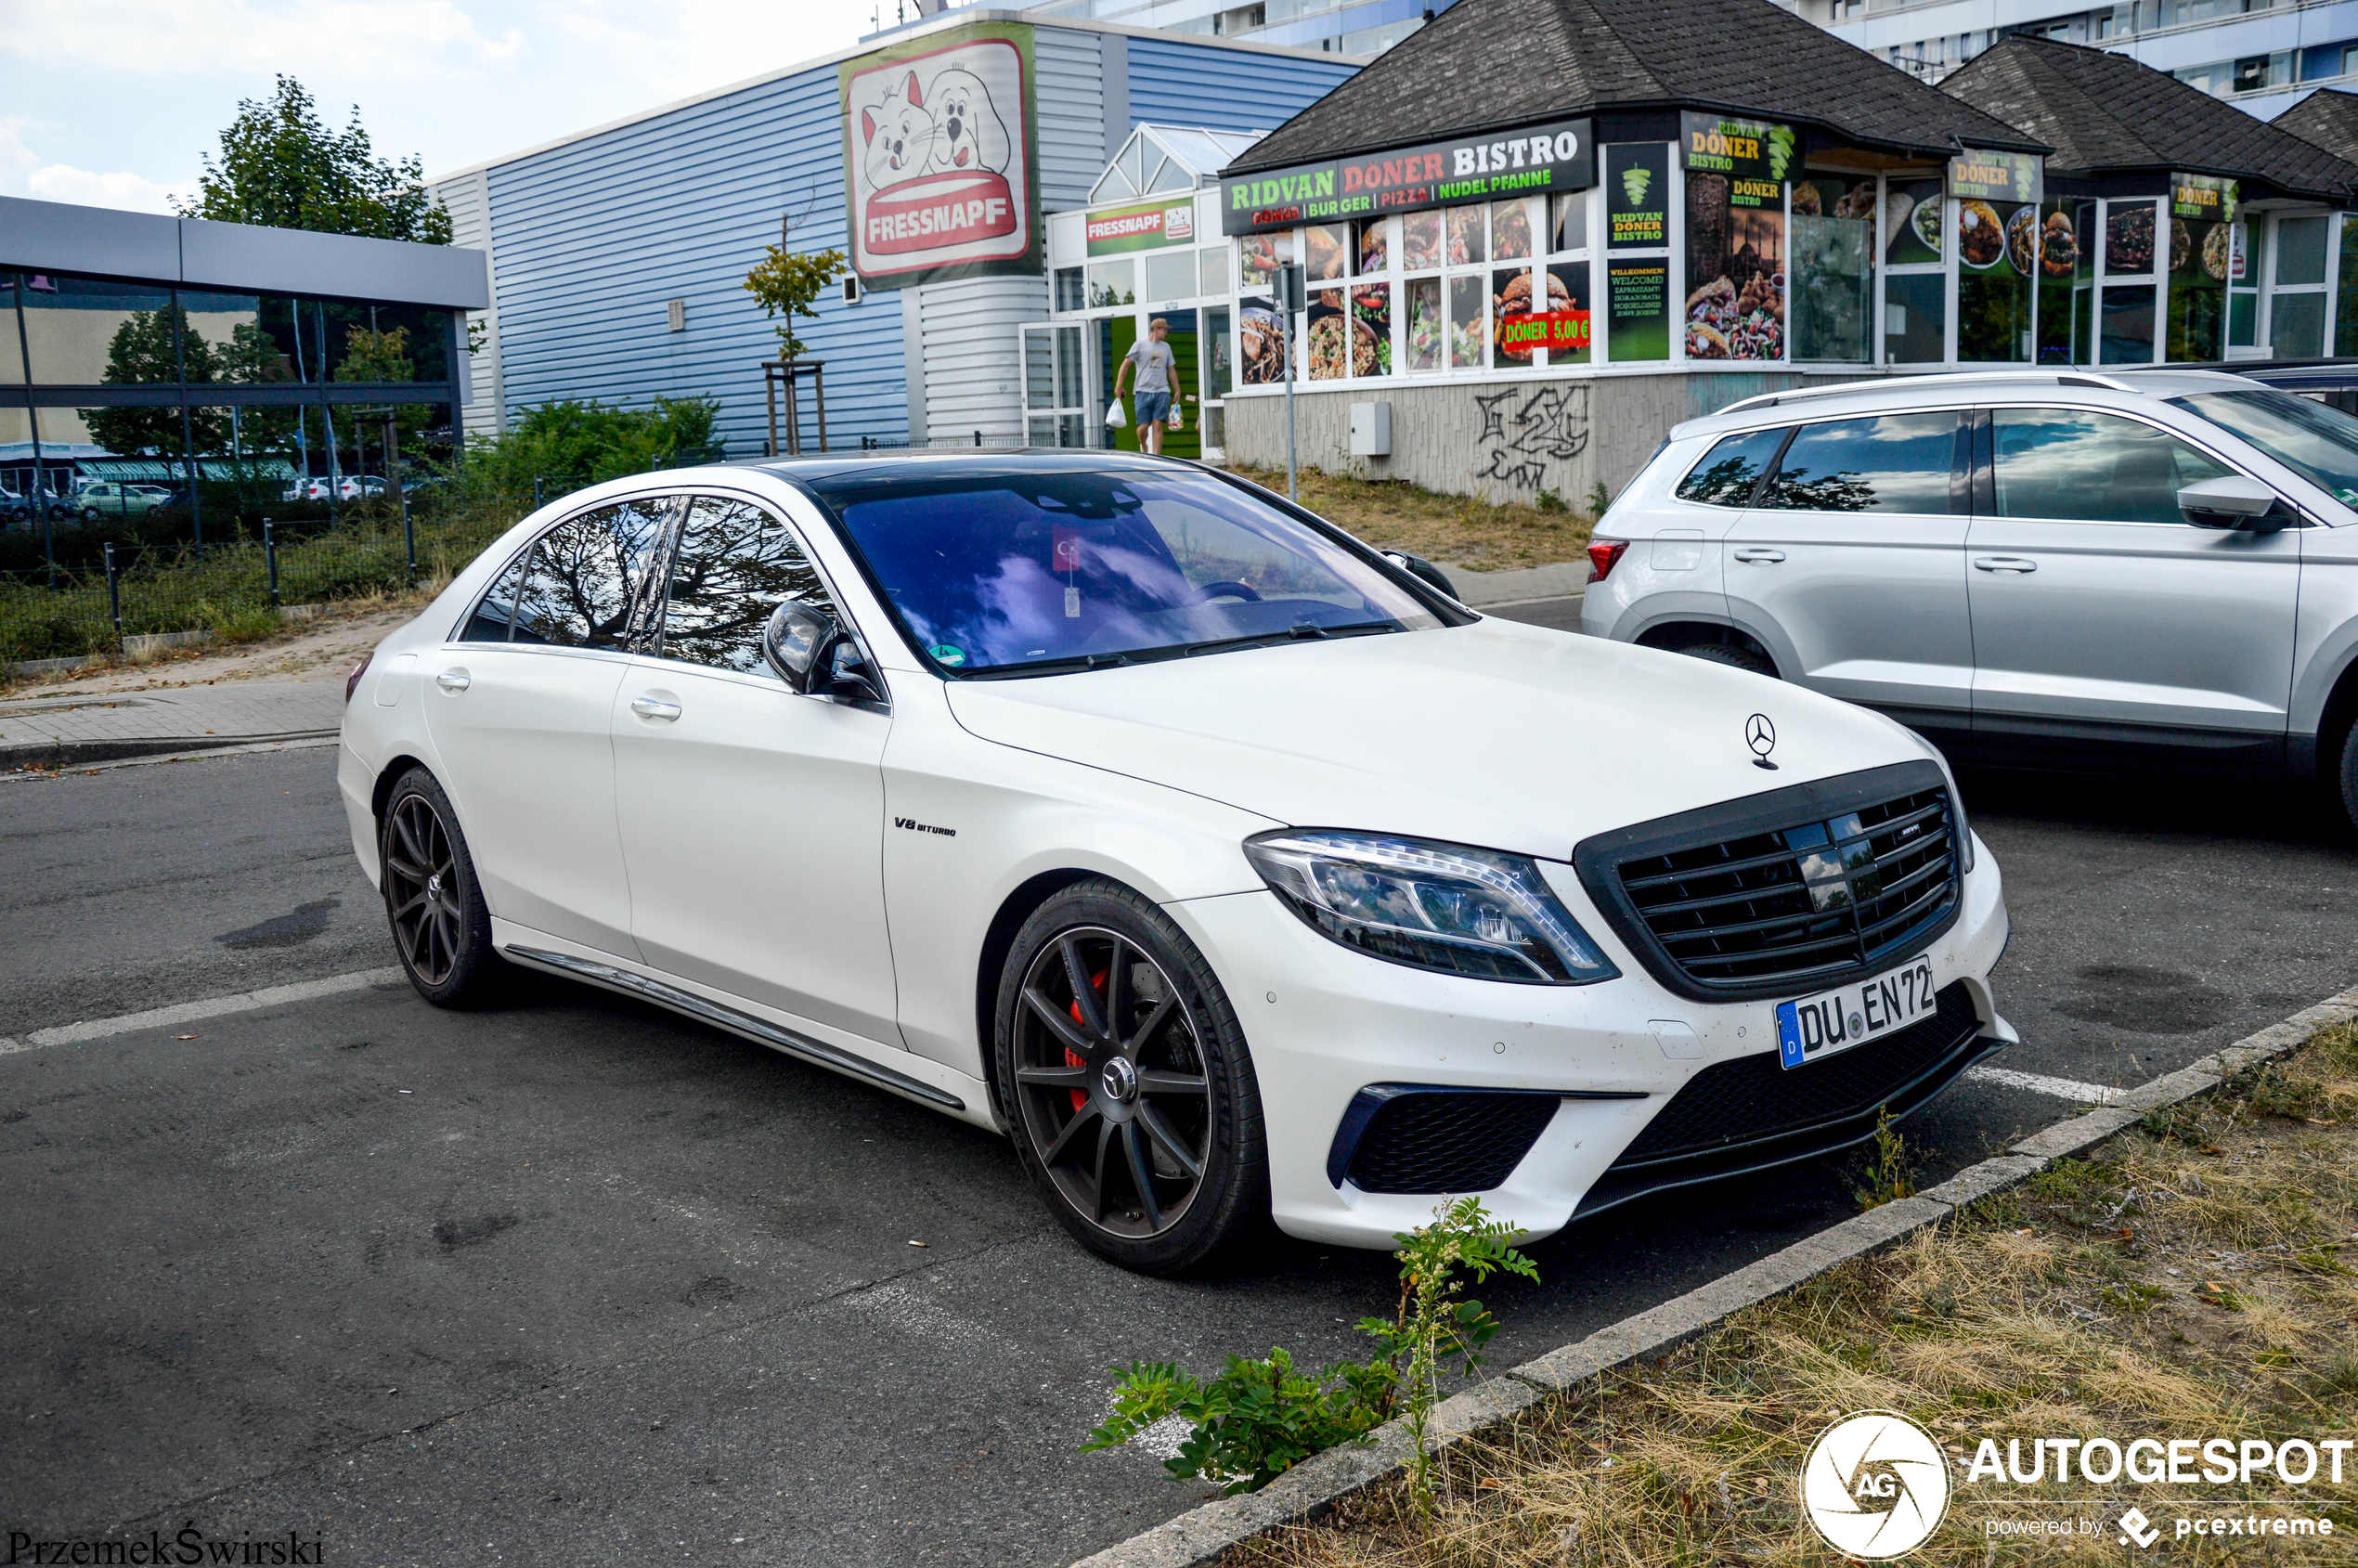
61, 729
1522, 585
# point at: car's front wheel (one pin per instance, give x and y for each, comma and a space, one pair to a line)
1128, 1083
441, 926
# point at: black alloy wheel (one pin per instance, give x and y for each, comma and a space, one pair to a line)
1126, 1079
441, 926
1734, 656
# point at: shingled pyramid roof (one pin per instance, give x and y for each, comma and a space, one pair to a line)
2105, 113
2326, 119
1487, 64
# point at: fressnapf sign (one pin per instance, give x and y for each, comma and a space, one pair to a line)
941, 168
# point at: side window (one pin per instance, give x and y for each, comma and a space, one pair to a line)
495, 614
736, 561
1896, 463
2092, 468
587, 575
1729, 471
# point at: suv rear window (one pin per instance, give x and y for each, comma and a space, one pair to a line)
1890, 462
1730, 471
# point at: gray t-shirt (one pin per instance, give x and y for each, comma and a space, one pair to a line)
1154, 365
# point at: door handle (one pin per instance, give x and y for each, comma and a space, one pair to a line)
2004, 564
654, 707
452, 680
1755, 553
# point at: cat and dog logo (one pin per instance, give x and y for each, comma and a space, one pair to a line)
936, 168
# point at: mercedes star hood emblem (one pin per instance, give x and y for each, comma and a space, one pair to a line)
1761, 736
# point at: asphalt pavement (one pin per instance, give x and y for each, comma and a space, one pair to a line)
575, 1276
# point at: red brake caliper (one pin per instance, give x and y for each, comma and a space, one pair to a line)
1072, 1057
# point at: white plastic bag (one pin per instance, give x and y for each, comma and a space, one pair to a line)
1113, 415
1174, 418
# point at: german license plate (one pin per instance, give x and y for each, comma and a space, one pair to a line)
1817, 1027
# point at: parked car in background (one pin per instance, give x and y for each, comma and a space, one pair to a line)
107, 497
1230, 868
2052, 568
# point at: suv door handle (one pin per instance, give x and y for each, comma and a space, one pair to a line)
1755, 553
654, 707
2004, 564
452, 680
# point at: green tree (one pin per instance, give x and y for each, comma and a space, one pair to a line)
281, 165
142, 354
787, 284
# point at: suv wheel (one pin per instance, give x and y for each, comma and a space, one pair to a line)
2347, 777
1733, 654
1127, 1082
441, 926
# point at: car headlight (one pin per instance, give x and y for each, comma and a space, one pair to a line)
1430, 906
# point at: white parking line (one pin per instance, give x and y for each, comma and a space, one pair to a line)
190, 1012
2038, 1083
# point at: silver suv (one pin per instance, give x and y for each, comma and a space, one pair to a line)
2144, 568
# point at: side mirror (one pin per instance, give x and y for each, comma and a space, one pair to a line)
2233, 502
813, 655
1422, 570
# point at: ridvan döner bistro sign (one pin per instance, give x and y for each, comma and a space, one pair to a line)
1536, 159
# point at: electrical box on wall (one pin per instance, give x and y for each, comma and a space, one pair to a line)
851, 287
1371, 430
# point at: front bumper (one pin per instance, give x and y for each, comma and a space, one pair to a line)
1325, 1023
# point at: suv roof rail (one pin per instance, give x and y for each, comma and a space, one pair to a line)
1953, 378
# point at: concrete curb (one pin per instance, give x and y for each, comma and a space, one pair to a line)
70, 754
208, 753
1200, 1537
1520, 585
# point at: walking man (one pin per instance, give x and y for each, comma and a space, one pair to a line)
1150, 357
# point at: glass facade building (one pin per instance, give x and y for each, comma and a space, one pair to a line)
163, 366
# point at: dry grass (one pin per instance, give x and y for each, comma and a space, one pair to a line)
1453, 530
2192, 1278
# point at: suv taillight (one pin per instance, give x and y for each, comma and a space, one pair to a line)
1602, 553
352, 681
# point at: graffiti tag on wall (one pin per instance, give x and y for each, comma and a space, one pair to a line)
1522, 432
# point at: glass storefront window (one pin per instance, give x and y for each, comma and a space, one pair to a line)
1510, 230
1170, 275
2346, 308
1374, 245
1511, 295
1467, 236
2245, 266
1469, 333
1571, 222
1735, 271
1261, 351
2297, 325
2198, 263
1214, 263
1219, 365
2126, 318
1371, 328
1997, 259
1914, 318
1259, 256
2301, 252
1568, 290
1829, 294
1327, 345
1425, 327
2067, 273
1113, 282
1420, 240
1327, 251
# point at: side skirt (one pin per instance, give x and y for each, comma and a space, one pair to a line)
817, 1053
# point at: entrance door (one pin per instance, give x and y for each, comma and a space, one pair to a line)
1855, 552
2100, 614
1056, 390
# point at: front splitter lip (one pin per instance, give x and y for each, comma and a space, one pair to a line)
1619, 1186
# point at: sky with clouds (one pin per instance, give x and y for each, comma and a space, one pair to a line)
112, 103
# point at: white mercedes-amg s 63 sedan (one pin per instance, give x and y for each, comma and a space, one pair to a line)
1232, 868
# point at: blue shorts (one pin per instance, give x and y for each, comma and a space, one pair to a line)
1153, 407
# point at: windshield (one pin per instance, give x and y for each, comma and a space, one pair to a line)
1005, 574
2318, 443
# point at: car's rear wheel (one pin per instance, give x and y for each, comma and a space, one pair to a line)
2346, 777
1128, 1083
441, 926
1735, 656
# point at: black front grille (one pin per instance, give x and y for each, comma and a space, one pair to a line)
1448, 1141
1796, 889
1751, 1099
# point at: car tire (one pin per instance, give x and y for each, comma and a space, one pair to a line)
1159, 1163
1735, 656
2347, 777
434, 901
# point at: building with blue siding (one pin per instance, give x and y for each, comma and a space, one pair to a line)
619, 252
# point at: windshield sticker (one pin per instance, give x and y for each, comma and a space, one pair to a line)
2348, 494
950, 656
1063, 549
